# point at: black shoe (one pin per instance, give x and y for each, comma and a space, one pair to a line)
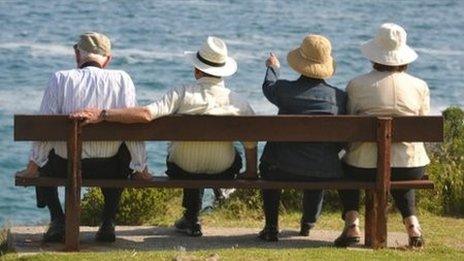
188, 227
55, 232
269, 234
416, 241
106, 232
345, 241
304, 229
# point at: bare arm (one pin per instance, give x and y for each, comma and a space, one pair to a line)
126, 115
129, 115
165, 105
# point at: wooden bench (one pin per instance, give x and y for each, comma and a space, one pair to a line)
296, 128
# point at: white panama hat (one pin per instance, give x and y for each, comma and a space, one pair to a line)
213, 59
389, 46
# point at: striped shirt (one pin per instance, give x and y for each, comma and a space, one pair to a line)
208, 96
90, 87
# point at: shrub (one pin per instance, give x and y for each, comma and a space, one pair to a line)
137, 207
244, 203
447, 168
3, 241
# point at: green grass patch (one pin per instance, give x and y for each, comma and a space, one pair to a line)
444, 240
259, 254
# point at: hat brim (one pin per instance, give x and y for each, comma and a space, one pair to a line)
401, 56
227, 70
308, 68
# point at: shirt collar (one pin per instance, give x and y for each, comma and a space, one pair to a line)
210, 81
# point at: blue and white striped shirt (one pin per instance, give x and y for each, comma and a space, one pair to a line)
90, 87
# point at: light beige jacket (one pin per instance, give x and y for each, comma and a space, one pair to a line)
387, 93
209, 96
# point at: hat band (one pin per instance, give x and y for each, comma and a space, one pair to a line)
203, 60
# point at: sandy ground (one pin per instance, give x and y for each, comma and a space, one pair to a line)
27, 240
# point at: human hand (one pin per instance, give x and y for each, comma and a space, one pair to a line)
142, 175
88, 116
31, 171
272, 61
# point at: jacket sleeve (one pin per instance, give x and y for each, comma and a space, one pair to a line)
425, 106
350, 102
270, 85
341, 102
168, 104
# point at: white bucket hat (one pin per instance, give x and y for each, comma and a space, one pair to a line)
212, 58
389, 46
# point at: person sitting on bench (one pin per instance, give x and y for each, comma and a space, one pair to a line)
386, 90
301, 161
90, 85
208, 96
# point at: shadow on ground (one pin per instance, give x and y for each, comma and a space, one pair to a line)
28, 239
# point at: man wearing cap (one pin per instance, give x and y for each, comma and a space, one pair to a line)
210, 96
90, 85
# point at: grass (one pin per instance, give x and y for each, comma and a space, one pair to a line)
258, 254
444, 237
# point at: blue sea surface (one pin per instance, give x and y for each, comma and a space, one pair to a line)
149, 38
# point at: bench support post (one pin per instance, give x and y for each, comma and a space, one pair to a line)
384, 135
251, 159
370, 218
73, 187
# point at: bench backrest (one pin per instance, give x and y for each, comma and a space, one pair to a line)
225, 128
382, 131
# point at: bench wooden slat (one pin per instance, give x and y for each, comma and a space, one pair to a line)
413, 128
162, 182
221, 128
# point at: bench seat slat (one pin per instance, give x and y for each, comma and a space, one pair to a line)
164, 182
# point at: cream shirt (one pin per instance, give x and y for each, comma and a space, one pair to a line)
208, 96
387, 93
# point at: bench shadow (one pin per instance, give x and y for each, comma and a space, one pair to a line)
167, 238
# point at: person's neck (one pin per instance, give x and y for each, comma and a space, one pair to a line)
90, 63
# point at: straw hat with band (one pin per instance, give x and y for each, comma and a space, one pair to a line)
313, 58
213, 58
389, 46
95, 43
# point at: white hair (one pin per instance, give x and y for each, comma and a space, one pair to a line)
91, 57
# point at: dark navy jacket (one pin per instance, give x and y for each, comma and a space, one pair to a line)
308, 96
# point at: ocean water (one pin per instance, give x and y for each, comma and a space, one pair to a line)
149, 38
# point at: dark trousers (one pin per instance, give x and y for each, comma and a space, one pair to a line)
312, 199
116, 167
192, 198
404, 198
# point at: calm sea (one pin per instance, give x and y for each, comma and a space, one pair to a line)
149, 38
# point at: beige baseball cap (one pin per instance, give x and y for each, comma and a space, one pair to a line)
93, 42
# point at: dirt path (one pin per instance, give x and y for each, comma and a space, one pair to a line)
28, 239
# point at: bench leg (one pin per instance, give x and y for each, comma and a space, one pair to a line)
73, 188
72, 208
369, 222
381, 226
